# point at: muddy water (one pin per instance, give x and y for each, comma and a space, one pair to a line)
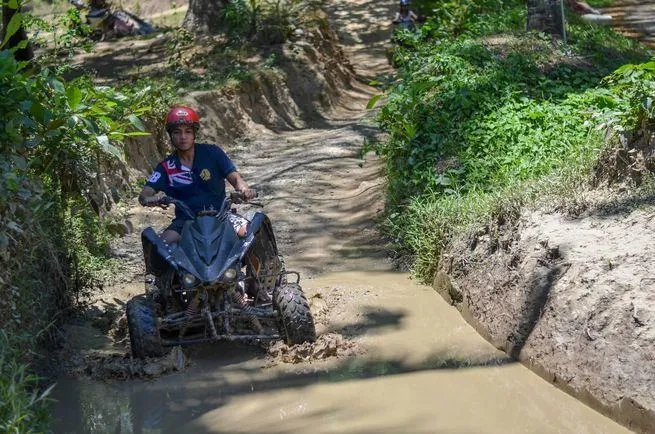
424, 370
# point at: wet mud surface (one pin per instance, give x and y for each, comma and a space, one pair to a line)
423, 370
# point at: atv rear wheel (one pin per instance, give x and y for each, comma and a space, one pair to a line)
142, 324
297, 323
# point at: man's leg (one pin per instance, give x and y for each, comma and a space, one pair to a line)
170, 236
239, 223
172, 233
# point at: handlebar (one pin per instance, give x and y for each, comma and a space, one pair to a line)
167, 200
235, 197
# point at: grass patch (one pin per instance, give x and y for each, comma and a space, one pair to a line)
22, 408
482, 123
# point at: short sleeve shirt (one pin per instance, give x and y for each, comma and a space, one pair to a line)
201, 187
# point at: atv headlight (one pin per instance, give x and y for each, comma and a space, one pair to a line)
230, 274
189, 280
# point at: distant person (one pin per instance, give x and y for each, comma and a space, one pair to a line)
405, 17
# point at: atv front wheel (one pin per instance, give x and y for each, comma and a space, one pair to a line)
297, 323
142, 324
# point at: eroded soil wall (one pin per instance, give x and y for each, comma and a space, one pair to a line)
574, 299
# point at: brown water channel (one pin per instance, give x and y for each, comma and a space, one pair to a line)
425, 371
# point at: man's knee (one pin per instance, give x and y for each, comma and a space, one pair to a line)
170, 236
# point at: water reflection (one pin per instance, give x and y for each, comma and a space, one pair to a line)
166, 404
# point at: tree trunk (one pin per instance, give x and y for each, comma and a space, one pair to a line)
22, 54
546, 16
204, 16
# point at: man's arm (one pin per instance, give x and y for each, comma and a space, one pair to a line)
155, 183
239, 184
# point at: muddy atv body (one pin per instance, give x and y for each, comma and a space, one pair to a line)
214, 285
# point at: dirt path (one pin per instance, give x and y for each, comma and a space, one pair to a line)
635, 18
418, 367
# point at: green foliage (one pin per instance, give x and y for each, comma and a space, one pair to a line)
57, 138
600, 3
470, 17
22, 407
634, 87
241, 16
265, 21
61, 37
476, 114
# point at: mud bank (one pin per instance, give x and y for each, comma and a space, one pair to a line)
572, 298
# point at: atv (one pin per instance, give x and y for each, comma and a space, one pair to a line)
216, 286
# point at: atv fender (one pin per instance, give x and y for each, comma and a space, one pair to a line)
156, 253
259, 222
262, 256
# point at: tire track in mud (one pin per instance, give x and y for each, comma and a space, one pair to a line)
322, 204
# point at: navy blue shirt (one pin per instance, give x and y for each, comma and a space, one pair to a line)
202, 187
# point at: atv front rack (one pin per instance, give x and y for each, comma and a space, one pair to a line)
229, 338
177, 320
183, 321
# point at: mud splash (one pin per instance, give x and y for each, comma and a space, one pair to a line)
123, 367
326, 346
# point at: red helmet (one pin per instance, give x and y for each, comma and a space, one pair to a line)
182, 116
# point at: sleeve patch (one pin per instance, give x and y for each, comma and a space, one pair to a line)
154, 177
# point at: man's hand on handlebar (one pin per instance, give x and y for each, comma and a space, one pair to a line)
244, 196
249, 194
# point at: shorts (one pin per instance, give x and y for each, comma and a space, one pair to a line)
237, 221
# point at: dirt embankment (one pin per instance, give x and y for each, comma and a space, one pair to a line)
311, 77
572, 296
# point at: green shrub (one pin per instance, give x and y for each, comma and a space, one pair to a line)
477, 116
22, 407
56, 138
266, 21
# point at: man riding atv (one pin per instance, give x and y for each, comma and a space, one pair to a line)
195, 174
217, 275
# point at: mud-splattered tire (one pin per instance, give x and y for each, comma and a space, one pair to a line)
297, 323
142, 324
